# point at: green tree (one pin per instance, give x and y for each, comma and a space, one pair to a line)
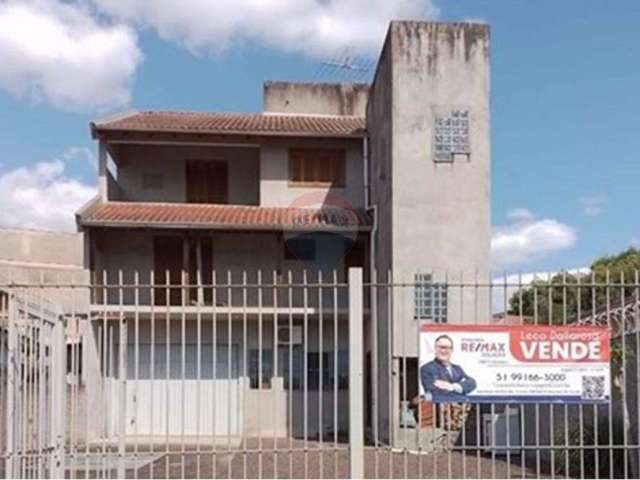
565, 297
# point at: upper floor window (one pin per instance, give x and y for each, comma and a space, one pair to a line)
317, 167
207, 181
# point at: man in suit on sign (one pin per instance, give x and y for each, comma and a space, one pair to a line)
442, 380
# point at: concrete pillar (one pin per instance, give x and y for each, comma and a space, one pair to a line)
356, 360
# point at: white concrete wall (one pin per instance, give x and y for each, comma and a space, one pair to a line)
441, 219
38, 257
432, 217
440, 212
379, 127
41, 247
169, 162
274, 175
316, 98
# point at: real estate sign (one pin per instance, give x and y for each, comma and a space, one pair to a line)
514, 364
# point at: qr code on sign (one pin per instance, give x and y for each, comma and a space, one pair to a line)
593, 387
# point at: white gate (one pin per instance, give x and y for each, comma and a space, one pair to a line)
33, 381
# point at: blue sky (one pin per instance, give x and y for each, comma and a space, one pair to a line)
565, 79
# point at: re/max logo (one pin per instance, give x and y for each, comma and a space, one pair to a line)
493, 347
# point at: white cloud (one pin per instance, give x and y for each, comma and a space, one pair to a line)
313, 27
42, 196
593, 205
84, 154
525, 239
60, 53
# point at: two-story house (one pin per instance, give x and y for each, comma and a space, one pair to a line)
198, 213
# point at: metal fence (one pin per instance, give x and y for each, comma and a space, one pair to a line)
295, 375
32, 379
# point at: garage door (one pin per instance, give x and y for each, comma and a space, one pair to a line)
190, 398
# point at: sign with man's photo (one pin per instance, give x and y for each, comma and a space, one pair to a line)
514, 364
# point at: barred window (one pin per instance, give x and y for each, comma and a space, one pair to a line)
430, 299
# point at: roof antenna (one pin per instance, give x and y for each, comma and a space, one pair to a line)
344, 67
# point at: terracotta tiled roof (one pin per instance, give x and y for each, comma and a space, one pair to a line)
222, 217
234, 123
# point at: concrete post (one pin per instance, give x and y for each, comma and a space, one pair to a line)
356, 404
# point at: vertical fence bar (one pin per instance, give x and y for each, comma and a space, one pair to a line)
260, 350
199, 302
336, 359
436, 414
566, 407
537, 405
610, 409
552, 422
152, 368
40, 385
245, 358
476, 291
305, 363
58, 406
463, 428
122, 379
291, 386
167, 369
112, 388
581, 406
391, 427
523, 436
636, 330
320, 375
229, 339
275, 373
356, 419
402, 365
136, 366
75, 386
625, 411
596, 450
185, 295
104, 403
3, 385
373, 322
11, 418
214, 373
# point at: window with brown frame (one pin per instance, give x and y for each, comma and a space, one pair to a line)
321, 167
207, 181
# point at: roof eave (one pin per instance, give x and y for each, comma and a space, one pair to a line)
217, 226
100, 132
